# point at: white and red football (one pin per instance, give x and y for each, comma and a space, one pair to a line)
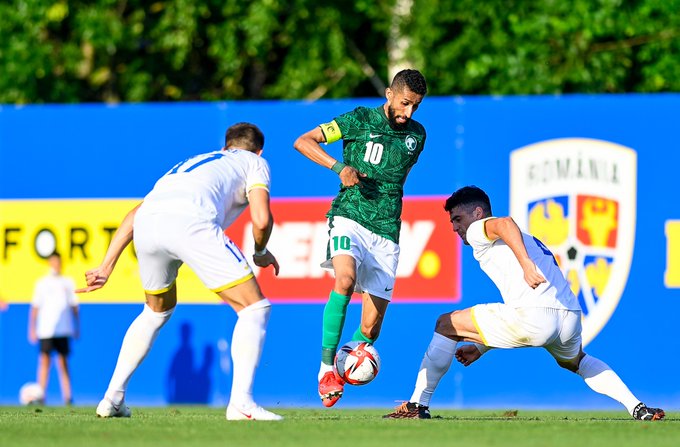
357, 362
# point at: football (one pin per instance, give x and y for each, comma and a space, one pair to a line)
357, 362
31, 393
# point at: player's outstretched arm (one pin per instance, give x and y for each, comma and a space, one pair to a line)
97, 277
506, 229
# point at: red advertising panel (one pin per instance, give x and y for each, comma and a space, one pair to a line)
429, 264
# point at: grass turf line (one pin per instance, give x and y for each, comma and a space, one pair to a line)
206, 426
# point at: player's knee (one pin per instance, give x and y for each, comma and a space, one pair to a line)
569, 366
345, 283
443, 325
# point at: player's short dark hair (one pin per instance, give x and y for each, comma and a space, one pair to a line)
469, 195
244, 136
54, 254
411, 79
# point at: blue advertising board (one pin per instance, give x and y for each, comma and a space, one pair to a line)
101, 152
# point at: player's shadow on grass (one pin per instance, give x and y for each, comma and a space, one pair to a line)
187, 383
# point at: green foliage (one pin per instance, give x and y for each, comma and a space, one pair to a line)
548, 46
133, 50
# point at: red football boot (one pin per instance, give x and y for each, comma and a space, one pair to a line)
330, 388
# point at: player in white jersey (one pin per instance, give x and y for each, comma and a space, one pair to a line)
182, 221
538, 309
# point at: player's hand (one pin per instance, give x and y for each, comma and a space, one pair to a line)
266, 260
351, 177
467, 354
532, 276
32, 337
95, 279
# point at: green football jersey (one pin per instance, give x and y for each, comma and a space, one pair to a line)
385, 155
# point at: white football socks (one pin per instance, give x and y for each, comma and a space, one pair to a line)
323, 369
436, 362
246, 348
136, 345
602, 379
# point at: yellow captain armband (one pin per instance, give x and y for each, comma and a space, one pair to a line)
331, 131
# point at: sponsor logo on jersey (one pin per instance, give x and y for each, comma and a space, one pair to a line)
81, 230
411, 143
578, 196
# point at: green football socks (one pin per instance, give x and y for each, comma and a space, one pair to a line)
333, 321
359, 336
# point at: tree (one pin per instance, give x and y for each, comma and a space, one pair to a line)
133, 50
519, 47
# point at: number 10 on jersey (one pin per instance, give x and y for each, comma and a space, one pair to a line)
374, 152
341, 242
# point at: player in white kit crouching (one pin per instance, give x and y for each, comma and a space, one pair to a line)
538, 309
182, 221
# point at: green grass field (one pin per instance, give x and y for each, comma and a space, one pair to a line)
204, 426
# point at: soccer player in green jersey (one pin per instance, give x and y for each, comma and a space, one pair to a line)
380, 146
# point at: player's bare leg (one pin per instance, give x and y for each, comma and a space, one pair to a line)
373, 309
458, 326
247, 342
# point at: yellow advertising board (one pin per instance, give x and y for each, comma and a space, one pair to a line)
80, 230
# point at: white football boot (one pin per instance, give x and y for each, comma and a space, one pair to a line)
106, 409
256, 413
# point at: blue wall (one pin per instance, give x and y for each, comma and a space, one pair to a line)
97, 151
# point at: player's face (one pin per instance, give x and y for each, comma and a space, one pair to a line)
401, 105
461, 217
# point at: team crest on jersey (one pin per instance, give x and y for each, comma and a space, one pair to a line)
578, 196
411, 143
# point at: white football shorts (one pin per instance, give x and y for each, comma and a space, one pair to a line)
376, 257
165, 241
503, 326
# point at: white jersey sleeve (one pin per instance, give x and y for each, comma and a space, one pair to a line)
477, 238
501, 265
259, 176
